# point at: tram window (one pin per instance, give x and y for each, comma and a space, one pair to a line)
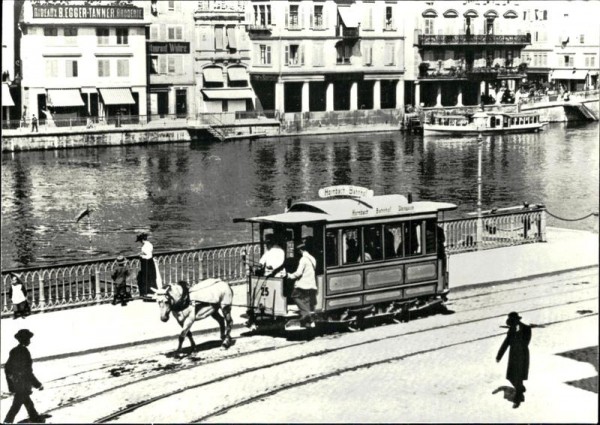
393, 241
413, 235
351, 243
373, 251
430, 237
331, 248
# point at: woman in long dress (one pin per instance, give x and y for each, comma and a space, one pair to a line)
149, 275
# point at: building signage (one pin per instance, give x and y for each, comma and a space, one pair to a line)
51, 11
159, 47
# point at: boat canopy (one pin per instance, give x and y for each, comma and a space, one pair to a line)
348, 209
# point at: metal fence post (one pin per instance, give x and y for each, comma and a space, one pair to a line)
543, 226
42, 295
97, 283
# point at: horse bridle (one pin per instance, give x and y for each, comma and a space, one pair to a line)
183, 303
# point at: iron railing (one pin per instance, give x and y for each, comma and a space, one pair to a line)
477, 39
89, 282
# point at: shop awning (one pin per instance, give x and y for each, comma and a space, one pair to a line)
213, 75
7, 99
230, 94
237, 74
117, 96
349, 17
567, 74
60, 98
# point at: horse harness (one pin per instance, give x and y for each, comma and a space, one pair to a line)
183, 303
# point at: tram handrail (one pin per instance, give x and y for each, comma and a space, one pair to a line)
88, 282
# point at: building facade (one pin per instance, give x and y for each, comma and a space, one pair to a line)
83, 60
222, 57
171, 51
465, 50
326, 55
565, 44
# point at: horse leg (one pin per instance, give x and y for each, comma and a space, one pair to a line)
192, 343
217, 316
228, 325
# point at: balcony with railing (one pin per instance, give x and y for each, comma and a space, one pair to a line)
451, 69
345, 32
473, 40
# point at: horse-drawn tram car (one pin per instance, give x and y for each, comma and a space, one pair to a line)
376, 257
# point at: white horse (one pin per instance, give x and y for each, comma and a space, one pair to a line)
198, 302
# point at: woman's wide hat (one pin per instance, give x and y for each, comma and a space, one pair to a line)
120, 259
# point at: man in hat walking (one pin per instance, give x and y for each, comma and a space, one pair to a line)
20, 378
305, 287
517, 338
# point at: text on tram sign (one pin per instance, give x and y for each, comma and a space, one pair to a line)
345, 190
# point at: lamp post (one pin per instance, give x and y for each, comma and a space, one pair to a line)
479, 234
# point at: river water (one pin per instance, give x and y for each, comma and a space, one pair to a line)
186, 195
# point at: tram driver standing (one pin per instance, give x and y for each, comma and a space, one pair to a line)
272, 260
305, 287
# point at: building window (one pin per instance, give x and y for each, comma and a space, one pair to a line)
219, 34
102, 36
581, 39
123, 68
103, 68
171, 5
122, 36
319, 21
293, 19
389, 18
429, 27
568, 60
265, 54
51, 68
154, 32
175, 64
590, 61
318, 53
175, 32
367, 21
262, 15
368, 55
344, 53
71, 68
70, 34
293, 55
154, 64
50, 32
390, 58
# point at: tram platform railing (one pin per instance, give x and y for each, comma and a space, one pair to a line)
87, 283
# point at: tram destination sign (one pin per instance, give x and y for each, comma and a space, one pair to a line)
345, 190
160, 47
52, 11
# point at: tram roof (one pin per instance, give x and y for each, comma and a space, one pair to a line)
348, 209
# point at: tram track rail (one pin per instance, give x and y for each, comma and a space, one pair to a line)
135, 406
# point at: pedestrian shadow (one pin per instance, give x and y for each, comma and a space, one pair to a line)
507, 392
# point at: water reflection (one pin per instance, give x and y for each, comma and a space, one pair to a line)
186, 195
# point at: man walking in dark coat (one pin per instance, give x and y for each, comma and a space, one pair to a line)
517, 339
20, 378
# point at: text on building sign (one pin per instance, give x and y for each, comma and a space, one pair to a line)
87, 12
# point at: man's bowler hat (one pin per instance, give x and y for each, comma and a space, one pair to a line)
514, 315
23, 334
120, 259
141, 237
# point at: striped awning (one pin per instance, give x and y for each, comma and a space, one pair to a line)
7, 99
120, 96
237, 74
230, 94
568, 74
60, 98
213, 75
